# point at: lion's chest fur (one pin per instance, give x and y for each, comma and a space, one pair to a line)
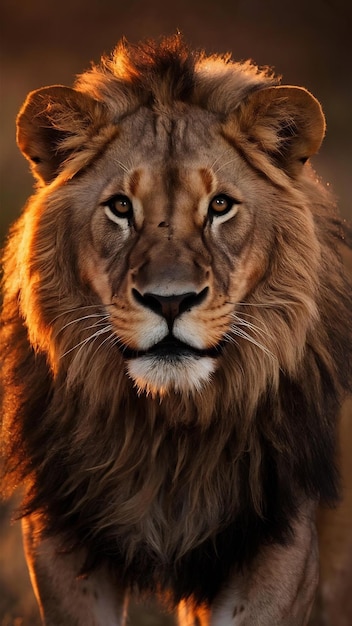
158, 498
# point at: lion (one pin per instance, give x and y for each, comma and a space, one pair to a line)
175, 342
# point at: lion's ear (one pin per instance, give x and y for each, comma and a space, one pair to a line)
54, 122
286, 122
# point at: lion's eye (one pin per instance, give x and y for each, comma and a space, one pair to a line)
119, 206
220, 205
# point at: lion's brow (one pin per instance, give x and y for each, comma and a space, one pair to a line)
207, 179
134, 182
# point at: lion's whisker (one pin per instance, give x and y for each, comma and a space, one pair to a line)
89, 339
260, 331
109, 340
103, 317
79, 308
221, 156
244, 335
122, 165
265, 305
263, 326
224, 165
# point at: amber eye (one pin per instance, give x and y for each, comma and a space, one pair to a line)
220, 205
120, 206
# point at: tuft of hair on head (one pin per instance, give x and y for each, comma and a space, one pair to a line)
163, 68
160, 73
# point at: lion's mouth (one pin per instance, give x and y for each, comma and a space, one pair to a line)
171, 348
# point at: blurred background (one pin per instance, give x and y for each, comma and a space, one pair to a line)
309, 42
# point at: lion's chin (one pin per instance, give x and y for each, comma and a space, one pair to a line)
158, 375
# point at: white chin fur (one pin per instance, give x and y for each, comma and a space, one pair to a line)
156, 376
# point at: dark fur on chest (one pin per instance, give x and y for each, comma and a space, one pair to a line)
202, 571
295, 433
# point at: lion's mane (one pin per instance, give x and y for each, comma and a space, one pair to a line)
161, 486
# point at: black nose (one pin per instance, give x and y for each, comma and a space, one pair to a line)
170, 307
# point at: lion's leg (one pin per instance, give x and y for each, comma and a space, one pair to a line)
279, 590
63, 597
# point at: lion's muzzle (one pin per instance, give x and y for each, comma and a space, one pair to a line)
171, 306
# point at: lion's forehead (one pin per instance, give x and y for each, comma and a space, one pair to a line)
172, 134
181, 156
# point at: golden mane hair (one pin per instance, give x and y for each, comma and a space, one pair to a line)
144, 480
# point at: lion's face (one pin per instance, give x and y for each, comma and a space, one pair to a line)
172, 247
187, 229
176, 232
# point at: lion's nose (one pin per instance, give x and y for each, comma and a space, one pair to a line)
171, 306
